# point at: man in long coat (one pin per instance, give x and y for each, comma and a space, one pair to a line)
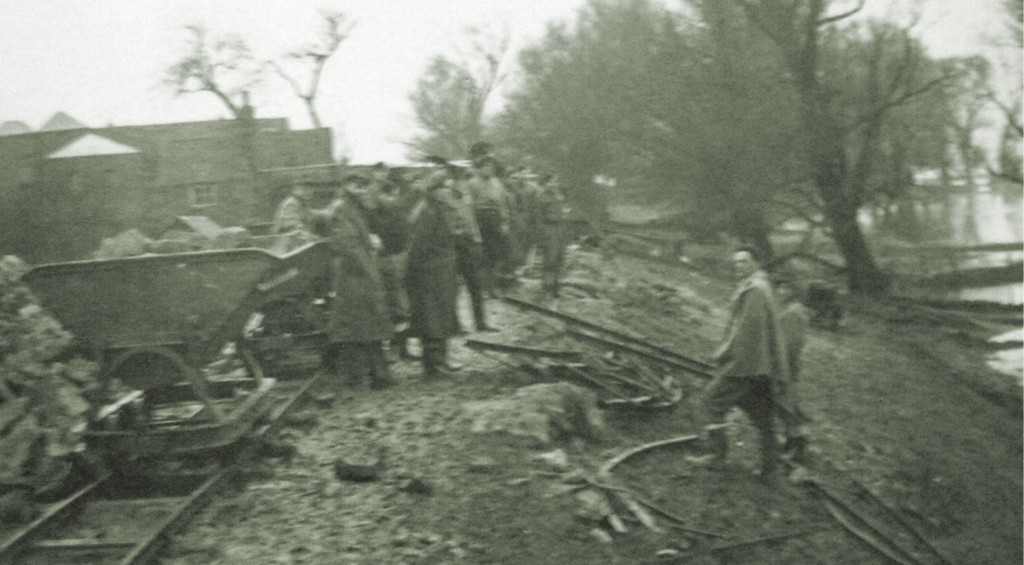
359, 321
751, 361
431, 279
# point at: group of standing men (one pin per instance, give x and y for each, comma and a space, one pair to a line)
399, 249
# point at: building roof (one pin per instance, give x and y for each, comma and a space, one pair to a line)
14, 128
91, 145
60, 121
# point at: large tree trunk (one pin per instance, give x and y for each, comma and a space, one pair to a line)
862, 274
832, 178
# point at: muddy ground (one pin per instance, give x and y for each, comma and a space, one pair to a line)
901, 400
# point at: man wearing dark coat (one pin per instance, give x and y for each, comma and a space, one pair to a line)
359, 322
431, 278
388, 218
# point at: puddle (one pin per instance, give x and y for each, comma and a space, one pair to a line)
1009, 361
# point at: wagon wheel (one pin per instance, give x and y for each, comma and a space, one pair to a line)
289, 327
294, 315
153, 367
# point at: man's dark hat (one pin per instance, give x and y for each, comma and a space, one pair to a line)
481, 149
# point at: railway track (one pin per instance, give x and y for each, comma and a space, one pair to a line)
870, 519
126, 517
595, 332
856, 509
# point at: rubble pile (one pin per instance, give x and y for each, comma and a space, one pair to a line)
46, 396
542, 412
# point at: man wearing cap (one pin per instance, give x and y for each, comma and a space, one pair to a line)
359, 322
388, 217
490, 203
521, 197
794, 319
749, 361
468, 245
431, 278
551, 233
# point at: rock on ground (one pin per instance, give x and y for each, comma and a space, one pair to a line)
542, 412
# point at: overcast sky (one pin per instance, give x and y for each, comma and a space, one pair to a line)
101, 60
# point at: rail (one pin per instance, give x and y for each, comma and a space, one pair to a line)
870, 520
138, 512
636, 344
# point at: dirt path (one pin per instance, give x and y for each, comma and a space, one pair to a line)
906, 409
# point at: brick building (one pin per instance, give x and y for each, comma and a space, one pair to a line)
65, 187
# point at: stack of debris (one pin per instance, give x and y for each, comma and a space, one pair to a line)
618, 379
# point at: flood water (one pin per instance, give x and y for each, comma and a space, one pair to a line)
1011, 293
989, 217
1009, 361
992, 217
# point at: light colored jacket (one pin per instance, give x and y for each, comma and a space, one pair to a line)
292, 214
794, 321
462, 218
753, 344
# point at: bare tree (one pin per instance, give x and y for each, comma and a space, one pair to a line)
1010, 100
842, 146
335, 28
451, 96
223, 67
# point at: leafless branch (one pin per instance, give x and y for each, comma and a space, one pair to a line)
839, 17
1012, 118
223, 68
335, 29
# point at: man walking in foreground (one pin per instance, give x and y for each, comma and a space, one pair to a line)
749, 360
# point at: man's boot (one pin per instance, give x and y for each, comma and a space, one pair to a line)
796, 448
346, 366
714, 450
400, 342
480, 317
380, 374
434, 359
769, 456
718, 446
